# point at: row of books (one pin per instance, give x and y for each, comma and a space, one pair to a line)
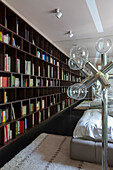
7, 63
7, 133
20, 127
4, 81
18, 65
4, 115
32, 107
24, 110
5, 38
48, 58
15, 81
14, 43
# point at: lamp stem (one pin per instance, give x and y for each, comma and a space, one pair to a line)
104, 120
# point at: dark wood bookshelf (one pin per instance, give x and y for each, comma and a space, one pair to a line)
34, 77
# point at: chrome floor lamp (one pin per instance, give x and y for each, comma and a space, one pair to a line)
79, 61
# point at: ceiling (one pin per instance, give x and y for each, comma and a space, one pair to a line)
76, 17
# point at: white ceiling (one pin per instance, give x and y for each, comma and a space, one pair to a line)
76, 17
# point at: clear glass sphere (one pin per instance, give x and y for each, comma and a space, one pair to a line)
75, 65
78, 91
79, 52
68, 91
103, 45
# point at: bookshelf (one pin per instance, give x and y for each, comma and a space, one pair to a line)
34, 77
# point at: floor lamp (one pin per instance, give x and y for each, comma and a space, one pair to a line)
79, 60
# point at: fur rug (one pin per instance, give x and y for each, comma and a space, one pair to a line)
48, 152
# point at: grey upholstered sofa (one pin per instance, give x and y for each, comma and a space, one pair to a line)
89, 151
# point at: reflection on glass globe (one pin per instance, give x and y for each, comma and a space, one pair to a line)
68, 91
103, 45
80, 53
78, 91
74, 65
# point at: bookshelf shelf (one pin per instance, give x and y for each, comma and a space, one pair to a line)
34, 77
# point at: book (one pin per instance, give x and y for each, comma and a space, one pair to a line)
17, 26
38, 105
1, 36
21, 126
25, 123
4, 82
32, 68
38, 70
38, 54
33, 119
5, 97
39, 117
38, 82
48, 70
13, 113
48, 59
43, 103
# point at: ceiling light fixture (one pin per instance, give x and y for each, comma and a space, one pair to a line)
70, 34
58, 13
95, 15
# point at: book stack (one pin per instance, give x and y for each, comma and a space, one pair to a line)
13, 113
52, 72
7, 63
47, 82
48, 70
58, 107
1, 36
5, 97
38, 70
58, 71
63, 105
19, 127
33, 69
26, 34
24, 110
4, 115
4, 81
39, 117
33, 119
43, 103
32, 107
7, 133
38, 54
25, 82
25, 123
38, 105
48, 59
6, 39
49, 112
18, 65
15, 81
37, 82
43, 57
51, 60
31, 82
27, 67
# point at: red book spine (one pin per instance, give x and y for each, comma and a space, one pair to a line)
21, 126
4, 82
6, 133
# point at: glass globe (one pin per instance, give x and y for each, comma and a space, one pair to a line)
74, 65
103, 45
68, 91
78, 91
79, 52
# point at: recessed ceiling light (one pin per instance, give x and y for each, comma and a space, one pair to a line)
58, 13
95, 15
